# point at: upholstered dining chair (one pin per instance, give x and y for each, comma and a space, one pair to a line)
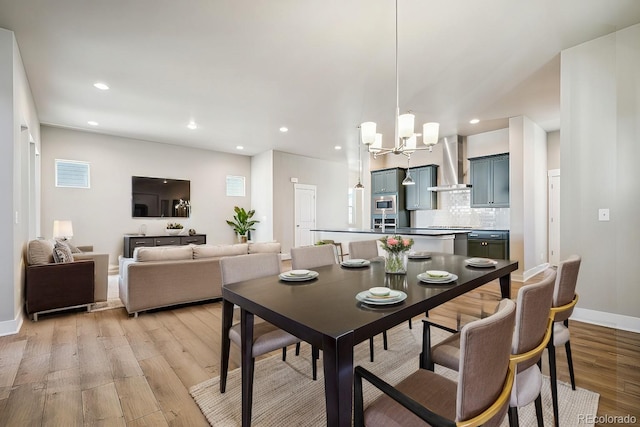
365, 249
480, 396
564, 300
266, 337
530, 337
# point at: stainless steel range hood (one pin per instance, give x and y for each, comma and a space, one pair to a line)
452, 170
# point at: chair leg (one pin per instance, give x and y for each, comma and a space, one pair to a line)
315, 355
553, 379
513, 417
298, 349
371, 349
284, 354
385, 342
567, 347
410, 324
538, 405
227, 319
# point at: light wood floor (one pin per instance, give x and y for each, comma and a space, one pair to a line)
108, 369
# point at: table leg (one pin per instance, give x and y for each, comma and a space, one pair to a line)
227, 320
505, 286
246, 325
338, 379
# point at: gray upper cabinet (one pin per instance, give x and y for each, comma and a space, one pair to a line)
490, 181
386, 180
417, 196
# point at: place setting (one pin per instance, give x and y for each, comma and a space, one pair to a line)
481, 262
381, 296
298, 275
437, 277
419, 255
355, 263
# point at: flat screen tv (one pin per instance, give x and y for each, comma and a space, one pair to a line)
160, 197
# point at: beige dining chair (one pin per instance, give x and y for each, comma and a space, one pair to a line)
266, 337
564, 300
530, 337
480, 396
365, 249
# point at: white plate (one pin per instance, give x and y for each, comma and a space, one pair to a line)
287, 276
424, 277
419, 255
355, 263
481, 262
394, 298
437, 274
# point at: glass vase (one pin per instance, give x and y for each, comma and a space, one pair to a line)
396, 262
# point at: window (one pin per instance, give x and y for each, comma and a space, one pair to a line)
72, 174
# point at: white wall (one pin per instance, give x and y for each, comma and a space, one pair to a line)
262, 195
18, 126
553, 150
600, 114
101, 215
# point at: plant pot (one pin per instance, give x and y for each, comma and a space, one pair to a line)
243, 239
396, 262
173, 231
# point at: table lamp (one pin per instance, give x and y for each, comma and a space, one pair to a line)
62, 229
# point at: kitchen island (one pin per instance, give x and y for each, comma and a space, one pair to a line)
451, 241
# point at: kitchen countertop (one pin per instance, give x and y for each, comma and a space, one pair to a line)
408, 231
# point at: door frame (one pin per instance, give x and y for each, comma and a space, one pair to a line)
297, 187
553, 216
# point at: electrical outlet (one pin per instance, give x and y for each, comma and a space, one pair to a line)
603, 214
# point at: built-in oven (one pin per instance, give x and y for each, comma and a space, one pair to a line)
385, 205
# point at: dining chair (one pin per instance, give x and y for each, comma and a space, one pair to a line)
365, 249
564, 300
530, 337
266, 337
305, 257
480, 396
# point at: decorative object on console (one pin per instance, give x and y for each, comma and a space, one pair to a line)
192, 232
62, 229
242, 222
405, 138
396, 251
174, 228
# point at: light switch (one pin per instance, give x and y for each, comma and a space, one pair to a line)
603, 214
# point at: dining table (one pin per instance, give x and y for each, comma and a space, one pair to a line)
325, 312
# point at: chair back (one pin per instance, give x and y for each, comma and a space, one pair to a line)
533, 308
246, 267
366, 249
305, 257
485, 347
565, 288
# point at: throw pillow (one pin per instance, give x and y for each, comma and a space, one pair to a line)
73, 249
62, 253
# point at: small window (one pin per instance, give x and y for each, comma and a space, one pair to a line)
235, 186
72, 174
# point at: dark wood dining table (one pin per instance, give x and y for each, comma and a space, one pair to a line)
325, 313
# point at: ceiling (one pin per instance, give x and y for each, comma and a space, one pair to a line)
242, 69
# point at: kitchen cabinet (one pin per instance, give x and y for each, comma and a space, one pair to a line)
418, 196
386, 180
488, 244
490, 181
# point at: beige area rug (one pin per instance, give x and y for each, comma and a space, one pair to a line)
285, 395
113, 296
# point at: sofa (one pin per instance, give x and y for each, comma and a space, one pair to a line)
40, 252
164, 276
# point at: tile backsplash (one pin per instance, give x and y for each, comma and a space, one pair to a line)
454, 210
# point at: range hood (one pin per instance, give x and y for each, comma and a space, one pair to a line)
452, 170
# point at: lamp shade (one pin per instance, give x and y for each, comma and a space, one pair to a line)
410, 145
62, 229
430, 133
405, 125
368, 132
377, 144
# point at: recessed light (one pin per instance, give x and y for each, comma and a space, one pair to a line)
284, 129
192, 125
92, 123
474, 121
101, 86
337, 147
239, 147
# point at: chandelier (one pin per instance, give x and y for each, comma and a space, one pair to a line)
405, 141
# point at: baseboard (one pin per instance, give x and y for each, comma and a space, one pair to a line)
611, 320
11, 327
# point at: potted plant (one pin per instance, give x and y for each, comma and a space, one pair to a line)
174, 228
242, 222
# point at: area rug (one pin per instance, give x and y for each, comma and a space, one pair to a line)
285, 395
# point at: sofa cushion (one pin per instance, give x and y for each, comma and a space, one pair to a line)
163, 253
40, 252
264, 247
62, 253
212, 251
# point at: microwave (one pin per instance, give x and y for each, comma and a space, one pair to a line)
385, 204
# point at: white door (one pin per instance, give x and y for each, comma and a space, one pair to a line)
305, 214
554, 216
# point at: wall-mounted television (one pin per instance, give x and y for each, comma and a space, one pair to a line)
160, 197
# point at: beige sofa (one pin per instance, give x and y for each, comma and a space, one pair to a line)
163, 276
40, 252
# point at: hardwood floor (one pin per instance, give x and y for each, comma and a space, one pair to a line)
108, 369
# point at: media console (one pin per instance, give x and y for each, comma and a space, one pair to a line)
133, 241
